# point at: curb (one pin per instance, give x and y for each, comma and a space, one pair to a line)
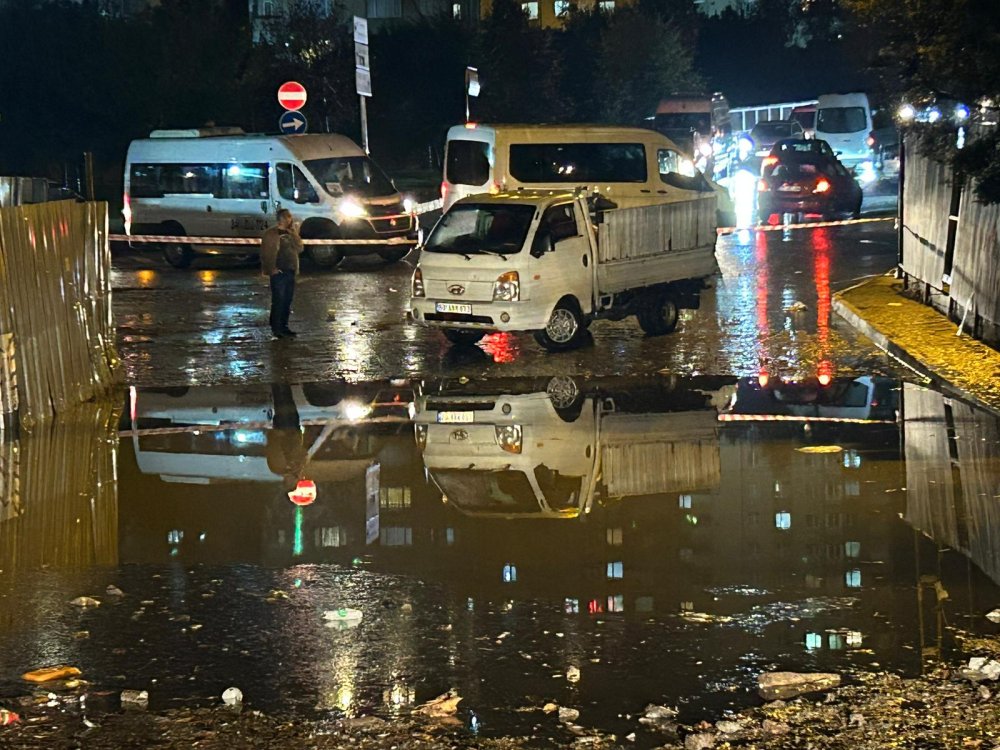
854, 317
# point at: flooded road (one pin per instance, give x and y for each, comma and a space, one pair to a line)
769, 310
601, 543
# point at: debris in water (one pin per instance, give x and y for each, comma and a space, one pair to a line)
232, 696
47, 674
8, 717
573, 674
784, 685
820, 449
135, 698
113, 590
442, 708
994, 616
568, 715
85, 601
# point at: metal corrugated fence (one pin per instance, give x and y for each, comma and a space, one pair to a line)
57, 336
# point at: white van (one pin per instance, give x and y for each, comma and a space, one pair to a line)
630, 166
845, 122
220, 182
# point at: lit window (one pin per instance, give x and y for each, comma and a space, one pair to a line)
852, 549
854, 638
852, 489
684, 501
687, 606
456, 10
615, 569
396, 536
783, 520
644, 604
509, 573
530, 10
853, 579
561, 7
614, 537
175, 537
607, 6
836, 641
852, 459
394, 498
616, 603
814, 640
449, 535
572, 606
331, 536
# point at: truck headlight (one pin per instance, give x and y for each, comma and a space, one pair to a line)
351, 209
507, 287
509, 437
417, 285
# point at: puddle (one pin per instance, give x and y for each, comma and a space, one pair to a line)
669, 538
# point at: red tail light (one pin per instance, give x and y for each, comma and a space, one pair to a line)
769, 161
763, 379
444, 191
871, 140
822, 185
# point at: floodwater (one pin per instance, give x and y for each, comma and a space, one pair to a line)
665, 539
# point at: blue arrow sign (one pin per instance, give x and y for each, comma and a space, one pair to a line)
293, 123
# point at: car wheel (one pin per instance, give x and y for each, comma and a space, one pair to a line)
325, 256
659, 314
564, 329
463, 336
178, 254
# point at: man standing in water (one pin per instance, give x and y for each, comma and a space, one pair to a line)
279, 262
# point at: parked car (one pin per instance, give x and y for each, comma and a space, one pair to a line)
762, 138
802, 176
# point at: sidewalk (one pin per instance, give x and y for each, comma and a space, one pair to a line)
923, 339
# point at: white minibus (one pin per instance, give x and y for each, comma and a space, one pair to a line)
845, 122
220, 182
630, 166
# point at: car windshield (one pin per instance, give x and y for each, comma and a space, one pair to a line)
841, 120
356, 175
488, 228
488, 491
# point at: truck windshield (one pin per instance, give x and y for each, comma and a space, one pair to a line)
841, 120
482, 228
487, 491
357, 175
683, 122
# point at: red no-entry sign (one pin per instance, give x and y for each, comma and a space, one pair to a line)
292, 95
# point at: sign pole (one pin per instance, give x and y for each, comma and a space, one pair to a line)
364, 125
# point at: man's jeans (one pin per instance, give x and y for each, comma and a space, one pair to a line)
282, 291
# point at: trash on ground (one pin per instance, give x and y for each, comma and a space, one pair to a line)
659, 718
443, 707
85, 601
729, 727
47, 674
550, 707
994, 616
113, 590
573, 674
232, 696
699, 741
980, 668
567, 715
135, 698
784, 685
343, 618
8, 717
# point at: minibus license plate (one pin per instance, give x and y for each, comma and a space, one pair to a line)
455, 417
451, 307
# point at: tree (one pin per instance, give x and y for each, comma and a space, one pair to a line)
642, 58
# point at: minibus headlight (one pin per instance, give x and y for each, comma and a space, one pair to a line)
417, 285
509, 437
351, 209
507, 287
409, 205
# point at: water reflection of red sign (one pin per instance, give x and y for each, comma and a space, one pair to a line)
304, 492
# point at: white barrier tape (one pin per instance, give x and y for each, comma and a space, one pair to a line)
166, 238
806, 225
423, 208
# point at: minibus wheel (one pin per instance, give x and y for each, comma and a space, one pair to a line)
325, 256
178, 255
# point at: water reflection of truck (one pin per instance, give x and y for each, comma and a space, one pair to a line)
553, 452
866, 398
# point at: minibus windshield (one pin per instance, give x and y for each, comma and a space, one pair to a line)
356, 175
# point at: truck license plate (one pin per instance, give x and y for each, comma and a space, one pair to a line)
455, 417
451, 307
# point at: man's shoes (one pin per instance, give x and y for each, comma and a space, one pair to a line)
290, 333
277, 335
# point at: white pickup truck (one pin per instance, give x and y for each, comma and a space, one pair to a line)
553, 452
551, 263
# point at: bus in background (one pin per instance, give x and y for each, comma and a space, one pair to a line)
701, 125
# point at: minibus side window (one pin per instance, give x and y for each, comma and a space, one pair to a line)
244, 181
157, 180
678, 171
293, 185
468, 163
